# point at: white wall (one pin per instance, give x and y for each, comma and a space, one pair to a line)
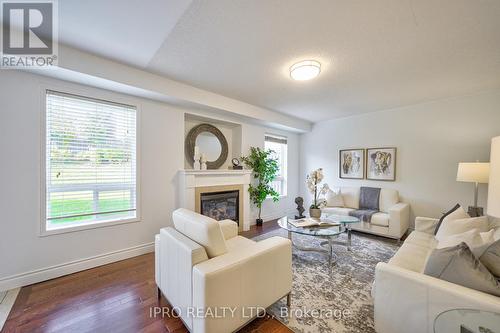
25, 257
250, 135
431, 139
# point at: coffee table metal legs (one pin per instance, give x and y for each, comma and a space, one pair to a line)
330, 245
348, 228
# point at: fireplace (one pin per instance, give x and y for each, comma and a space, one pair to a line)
194, 183
221, 205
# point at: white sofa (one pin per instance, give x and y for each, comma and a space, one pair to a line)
203, 265
407, 300
392, 221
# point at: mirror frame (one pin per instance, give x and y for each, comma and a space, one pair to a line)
191, 143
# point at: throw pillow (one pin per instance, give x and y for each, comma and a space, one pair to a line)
457, 212
491, 258
458, 265
334, 199
453, 224
477, 241
453, 227
369, 198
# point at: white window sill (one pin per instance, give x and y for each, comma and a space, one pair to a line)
85, 226
281, 197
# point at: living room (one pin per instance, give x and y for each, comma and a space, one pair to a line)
338, 138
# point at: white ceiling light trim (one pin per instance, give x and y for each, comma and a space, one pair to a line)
305, 70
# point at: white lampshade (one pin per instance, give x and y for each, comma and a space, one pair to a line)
473, 172
494, 186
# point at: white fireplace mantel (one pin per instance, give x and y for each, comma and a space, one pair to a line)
189, 180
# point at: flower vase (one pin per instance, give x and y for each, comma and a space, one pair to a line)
315, 213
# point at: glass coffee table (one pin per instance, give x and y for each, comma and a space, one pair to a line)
346, 221
467, 321
327, 232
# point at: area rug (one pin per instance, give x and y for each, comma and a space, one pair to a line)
334, 298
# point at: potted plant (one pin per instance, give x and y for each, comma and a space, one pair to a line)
265, 169
313, 181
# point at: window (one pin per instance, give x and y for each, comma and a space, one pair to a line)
278, 145
90, 162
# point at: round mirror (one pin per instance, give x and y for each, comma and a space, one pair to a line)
210, 141
209, 145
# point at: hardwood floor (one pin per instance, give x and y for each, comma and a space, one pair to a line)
110, 298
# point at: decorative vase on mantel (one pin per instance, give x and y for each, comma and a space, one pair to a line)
315, 213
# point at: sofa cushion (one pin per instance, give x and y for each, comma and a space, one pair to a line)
380, 219
388, 198
411, 257
334, 199
451, 227
422, 239
457, 212
238, 242
337, 210
229, 228
202, 229
351, 197
458, 265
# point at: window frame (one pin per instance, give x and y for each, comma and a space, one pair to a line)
283, 178
92, 94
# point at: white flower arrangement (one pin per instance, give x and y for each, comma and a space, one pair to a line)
313, 180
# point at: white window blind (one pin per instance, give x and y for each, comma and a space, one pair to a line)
279, 146
90, 161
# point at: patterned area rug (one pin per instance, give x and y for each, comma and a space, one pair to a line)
334, 298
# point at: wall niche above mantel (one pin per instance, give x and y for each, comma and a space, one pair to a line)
231, 131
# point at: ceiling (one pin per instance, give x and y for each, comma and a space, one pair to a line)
375, 55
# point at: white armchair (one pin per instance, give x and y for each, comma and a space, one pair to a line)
203, 265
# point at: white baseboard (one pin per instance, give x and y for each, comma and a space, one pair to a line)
274, 216
43, 274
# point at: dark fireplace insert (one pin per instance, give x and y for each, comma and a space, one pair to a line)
221, 205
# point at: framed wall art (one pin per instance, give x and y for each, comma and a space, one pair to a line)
352, 164
381, 164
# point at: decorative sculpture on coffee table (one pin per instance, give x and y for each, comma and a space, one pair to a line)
300, 207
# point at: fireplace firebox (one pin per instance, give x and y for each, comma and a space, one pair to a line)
220, 205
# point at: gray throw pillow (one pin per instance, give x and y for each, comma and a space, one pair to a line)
491, 258
458, 265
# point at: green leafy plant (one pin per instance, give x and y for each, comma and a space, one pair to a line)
265, 169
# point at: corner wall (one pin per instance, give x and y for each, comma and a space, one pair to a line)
431, 139
25, 257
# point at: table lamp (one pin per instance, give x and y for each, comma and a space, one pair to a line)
494, 186
477, 173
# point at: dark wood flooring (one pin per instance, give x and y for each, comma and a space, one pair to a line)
110, 298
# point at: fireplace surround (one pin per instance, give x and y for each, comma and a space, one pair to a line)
195, 183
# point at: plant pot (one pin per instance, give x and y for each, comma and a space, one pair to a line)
259, 222
315, 213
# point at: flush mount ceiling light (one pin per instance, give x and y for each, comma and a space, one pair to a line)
305, 70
